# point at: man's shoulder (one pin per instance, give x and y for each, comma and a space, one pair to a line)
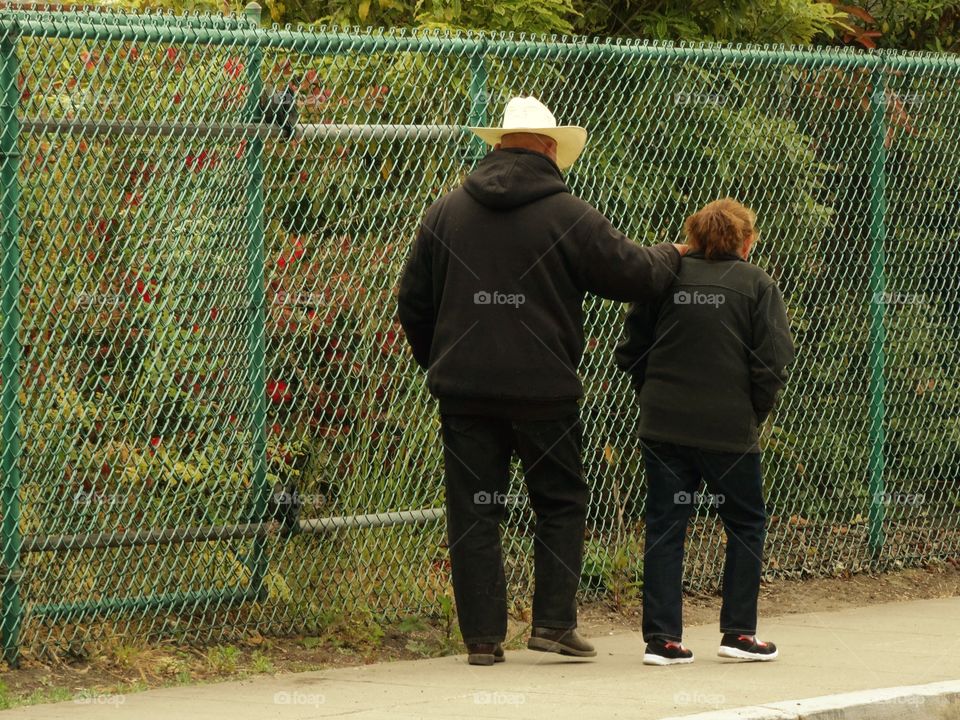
576, 215
576, 203
433, 213
438, 204
450, 200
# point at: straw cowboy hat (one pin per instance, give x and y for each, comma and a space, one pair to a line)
527, 114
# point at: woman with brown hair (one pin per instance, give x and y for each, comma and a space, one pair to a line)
707, 363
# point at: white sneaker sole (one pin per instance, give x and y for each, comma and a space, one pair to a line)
651, 659
738, 654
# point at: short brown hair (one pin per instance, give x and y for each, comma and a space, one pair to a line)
720, 228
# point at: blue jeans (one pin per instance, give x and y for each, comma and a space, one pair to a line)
734, 484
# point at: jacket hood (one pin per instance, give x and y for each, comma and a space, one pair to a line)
506, 179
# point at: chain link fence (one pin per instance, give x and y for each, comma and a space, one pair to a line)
211, 425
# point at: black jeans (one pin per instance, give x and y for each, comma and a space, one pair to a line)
733, 481
477, 454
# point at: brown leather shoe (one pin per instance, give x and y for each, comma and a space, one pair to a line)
559, 640
484, 653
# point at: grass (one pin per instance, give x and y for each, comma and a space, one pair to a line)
128, 655
223, 659
261, 664
114, 667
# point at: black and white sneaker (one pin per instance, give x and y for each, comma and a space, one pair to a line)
746, 647
666, 652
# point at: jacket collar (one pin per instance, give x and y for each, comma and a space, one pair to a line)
699, 254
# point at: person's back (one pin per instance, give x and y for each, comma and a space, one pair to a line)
511, 255
707, 362
709, 359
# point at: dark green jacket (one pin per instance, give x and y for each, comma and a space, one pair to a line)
709, 359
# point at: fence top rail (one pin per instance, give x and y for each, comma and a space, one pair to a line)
108, 16
100, 25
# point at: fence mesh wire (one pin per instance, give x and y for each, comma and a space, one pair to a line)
211, 424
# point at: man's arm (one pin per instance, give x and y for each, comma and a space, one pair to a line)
772, 351
639, 337
612, 266
415, 299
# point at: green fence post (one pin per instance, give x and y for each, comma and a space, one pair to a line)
256, 318
10, 334
878, 156
478, 101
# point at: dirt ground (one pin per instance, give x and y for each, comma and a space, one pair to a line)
788, 597
128, 668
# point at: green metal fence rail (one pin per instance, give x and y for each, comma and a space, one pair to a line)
210, 421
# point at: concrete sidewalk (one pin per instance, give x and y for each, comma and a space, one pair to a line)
878, 646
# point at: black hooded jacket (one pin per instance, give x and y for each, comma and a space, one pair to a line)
491, 296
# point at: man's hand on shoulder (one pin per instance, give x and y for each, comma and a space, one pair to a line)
682, 248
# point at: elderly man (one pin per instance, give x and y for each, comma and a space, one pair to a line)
491, 302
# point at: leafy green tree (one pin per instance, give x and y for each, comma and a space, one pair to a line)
780, 21
905, 24
535, 16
